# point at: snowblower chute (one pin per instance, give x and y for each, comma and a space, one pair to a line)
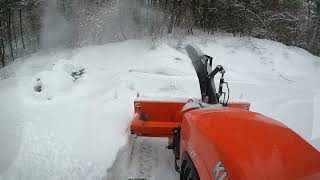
212, 138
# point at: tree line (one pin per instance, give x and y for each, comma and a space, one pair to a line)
292, 22
19, 28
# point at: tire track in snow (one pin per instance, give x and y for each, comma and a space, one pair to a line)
143, 158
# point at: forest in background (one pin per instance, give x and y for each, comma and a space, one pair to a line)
29, 25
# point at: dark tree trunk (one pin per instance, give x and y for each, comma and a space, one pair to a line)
9, 34
21, 29
173, 17
3, 63
166, 6
14, 35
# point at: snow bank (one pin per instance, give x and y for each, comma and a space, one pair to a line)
316, 123
58, 123
72, 128
10, 120
280, 81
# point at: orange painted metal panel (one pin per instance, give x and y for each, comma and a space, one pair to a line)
152, 128
163, 111
239, 105
156, 119
250, 145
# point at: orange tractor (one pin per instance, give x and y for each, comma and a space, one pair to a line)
213, 139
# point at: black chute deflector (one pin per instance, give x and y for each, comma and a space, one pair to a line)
203, 65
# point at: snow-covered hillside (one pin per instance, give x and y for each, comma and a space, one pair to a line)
57, 126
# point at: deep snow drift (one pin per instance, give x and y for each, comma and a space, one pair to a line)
58, 126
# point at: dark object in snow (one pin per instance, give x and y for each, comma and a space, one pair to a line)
37, 88
78, 74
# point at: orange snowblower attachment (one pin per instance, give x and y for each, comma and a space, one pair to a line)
156, 119
160, 118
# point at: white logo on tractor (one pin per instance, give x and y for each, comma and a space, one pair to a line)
191, 151
219, 172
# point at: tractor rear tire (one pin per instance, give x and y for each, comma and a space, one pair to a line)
188, 170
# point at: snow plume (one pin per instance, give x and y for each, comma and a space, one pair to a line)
139, 20
114, 21
56, 31
78, 23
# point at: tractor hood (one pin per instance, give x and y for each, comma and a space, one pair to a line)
250, 145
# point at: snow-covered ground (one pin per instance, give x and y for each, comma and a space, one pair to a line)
74, 128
